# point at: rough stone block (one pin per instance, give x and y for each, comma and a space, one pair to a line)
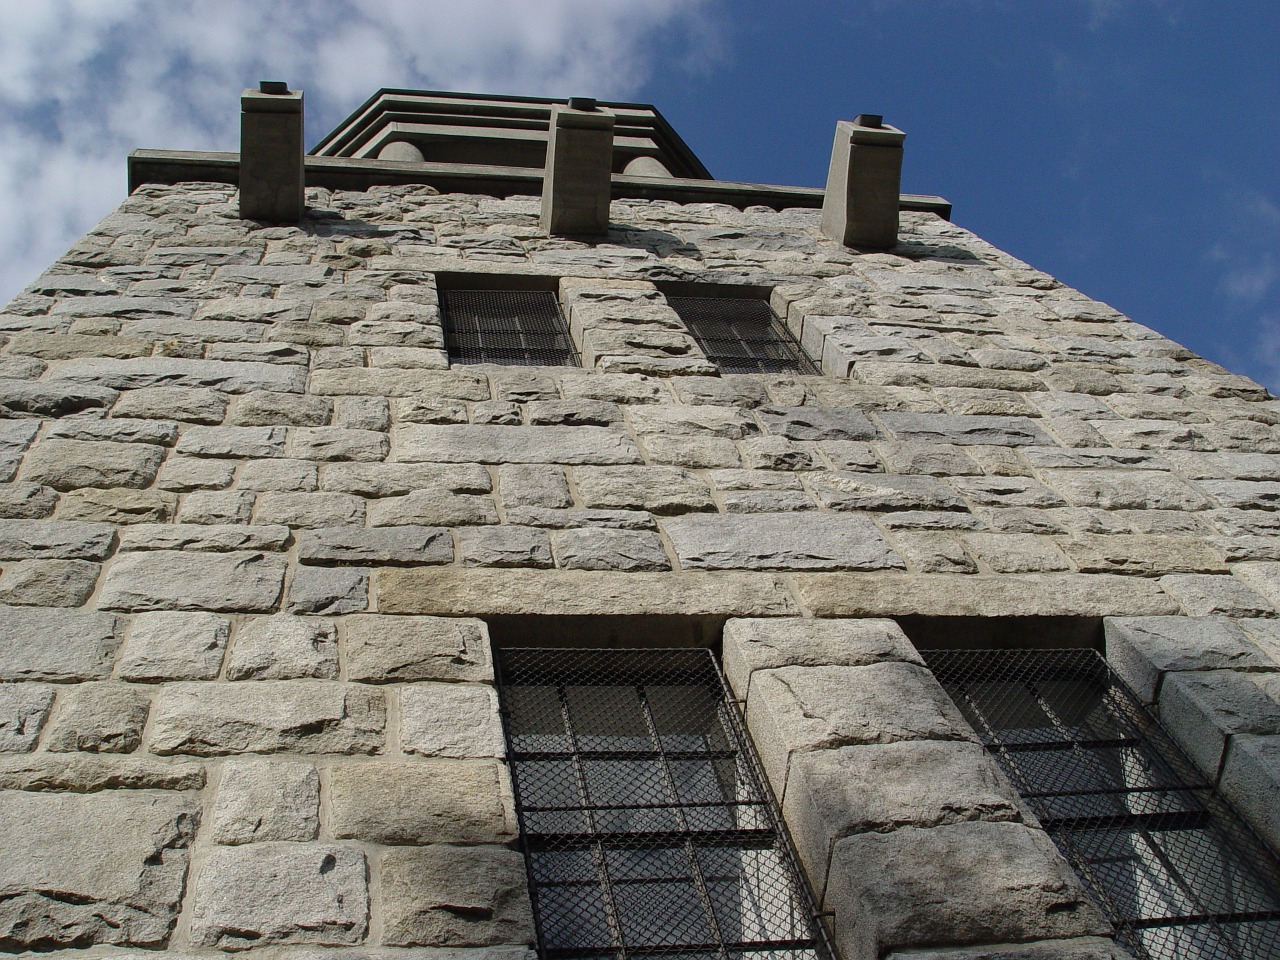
281, 476
507, 545
40, 643
1203, 595
329, 590
216, 507
1142, 556
211, 538
90, 773
23, 710
48, 583
171, 580
1264, 577
153, 372
765, 644
118, 506
1077, 948
433, 507
705, 421
961, 430
265, 409
660, 490
241, 442
447, 896
376, 545
1206, 709
1143, 649
779, 542
262, 800
450, 720
817, 423
189, 404
336, 443
284, 648
174, 646
795, 709
592, 548
877, 788
55, 539
381, 649
299, 716
964, 883
69, 464
533, 485
271, 893
1251, 780
26, 501
423, 801
879, 492
309, 510
106, 868
99, 717
1125, 489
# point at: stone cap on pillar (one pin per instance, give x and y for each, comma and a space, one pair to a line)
271, 101
870, 128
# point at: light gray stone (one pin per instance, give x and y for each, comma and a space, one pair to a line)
26, 501
1251, 780
212, 538
433, 507
328, 590
1143, 649
878, 492
959, 429
397, 479
216, 507
297, 476
882, 787
102, 717
1077, 948
68, 464
798, 709
533, 485
765, 644
486, 444
378, 545
48, 583
817, 423
594, 548
264, 409
263, 800
189, 404
660, 490
422, 801
150, 372
115, 430
705, 421
1015, 552
1203, 595
779, 542
174, 646
105, 868
450, 720
242, 442
1125, 489
309, 510
504, 546
1264, 577
23, 710
118, 506
1006, 492
19, 398
336, 443
299, 716
956, 884
1207, 709
381, 649
276, 893
38, 643
284, 648
90, 773
171, 580
442, 895
1142, 556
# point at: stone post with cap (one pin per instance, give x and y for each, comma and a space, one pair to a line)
272, 173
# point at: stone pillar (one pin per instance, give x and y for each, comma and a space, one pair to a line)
860, 207
272, 176
577, 178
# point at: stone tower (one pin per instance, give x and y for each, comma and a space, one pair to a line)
287, 474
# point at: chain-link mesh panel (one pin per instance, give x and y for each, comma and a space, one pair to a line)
1178, 872
741, 335
516, 327
646, 824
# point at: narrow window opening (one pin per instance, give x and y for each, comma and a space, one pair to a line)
513, 327
741, 335
1177, 871
646, 824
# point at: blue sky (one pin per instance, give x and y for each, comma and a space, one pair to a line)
1129, 147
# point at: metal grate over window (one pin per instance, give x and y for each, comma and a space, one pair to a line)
646, 826
741, 335
1178, 872
516, 327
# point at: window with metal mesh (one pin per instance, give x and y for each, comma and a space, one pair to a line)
1177, 871
516, 327
645, 820
741, 335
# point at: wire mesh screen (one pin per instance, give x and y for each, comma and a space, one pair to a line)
647, 829
1179, 873
516, 327
741, 335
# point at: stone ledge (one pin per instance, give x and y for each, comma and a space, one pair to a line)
479, 593
1031, 595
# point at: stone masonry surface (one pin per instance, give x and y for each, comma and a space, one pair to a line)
251, 526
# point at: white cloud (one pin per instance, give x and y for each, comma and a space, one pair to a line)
82, 82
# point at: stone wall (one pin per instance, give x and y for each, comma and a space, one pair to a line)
252, 526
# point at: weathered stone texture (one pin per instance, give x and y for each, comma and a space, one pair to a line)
83, 870
169, 580
261, 800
